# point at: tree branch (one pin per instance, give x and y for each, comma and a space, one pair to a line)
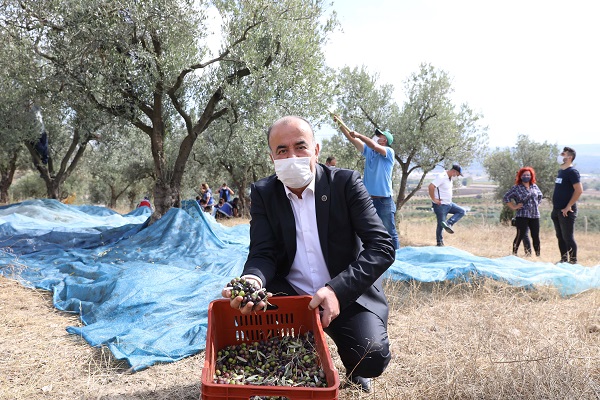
221, 57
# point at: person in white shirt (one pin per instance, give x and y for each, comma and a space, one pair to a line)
440, 192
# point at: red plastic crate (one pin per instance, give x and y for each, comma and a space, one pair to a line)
227, 326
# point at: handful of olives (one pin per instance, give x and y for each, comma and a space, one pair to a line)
249, 292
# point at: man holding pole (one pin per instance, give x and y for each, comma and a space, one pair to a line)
379, 164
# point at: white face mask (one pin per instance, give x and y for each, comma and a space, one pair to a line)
294, 172
560, 159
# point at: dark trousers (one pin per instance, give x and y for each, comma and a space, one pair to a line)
360, 336
565, 233
524, 226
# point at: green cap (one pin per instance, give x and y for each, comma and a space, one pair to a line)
387, 135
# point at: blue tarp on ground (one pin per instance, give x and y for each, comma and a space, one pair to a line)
144, 291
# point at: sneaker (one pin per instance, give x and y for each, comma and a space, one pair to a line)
440, 244
447, 228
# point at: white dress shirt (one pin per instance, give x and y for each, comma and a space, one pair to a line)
309, 271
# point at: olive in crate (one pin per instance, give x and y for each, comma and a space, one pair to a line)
279, 361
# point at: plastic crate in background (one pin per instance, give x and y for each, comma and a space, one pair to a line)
227, 326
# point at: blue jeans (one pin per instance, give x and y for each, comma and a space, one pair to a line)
386, 209
441, 212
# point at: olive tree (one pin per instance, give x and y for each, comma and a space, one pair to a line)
18, 124
502, 164
41, 114
119, 166
429, 128
172, 66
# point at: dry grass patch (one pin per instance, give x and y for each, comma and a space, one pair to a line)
40, 360
471, 340
483, 340
495, 241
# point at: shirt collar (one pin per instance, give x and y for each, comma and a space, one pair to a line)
311, 187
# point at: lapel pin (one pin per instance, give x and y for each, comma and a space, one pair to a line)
323, 198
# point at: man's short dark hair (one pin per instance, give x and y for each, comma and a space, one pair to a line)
571, 152
330, 159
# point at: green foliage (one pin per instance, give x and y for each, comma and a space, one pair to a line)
178, 70
435, 131
344, 151
429, 129
18, 122
506, 214
30, 186
120, 165
502, 165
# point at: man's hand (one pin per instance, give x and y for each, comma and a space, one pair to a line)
340, 123
249, 307
565, 211
328, 301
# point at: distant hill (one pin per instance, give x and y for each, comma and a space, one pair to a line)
588, 158
586, 162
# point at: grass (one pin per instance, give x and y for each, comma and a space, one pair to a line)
469, 340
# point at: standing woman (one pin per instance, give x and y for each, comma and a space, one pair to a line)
524, 198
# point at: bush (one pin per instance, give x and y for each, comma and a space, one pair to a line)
30, 186
506, 214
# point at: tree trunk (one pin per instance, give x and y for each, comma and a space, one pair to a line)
112, 203
132, 198
6, 178
244, 201
4, 185
165, 197
167, 187
53, 188
68, 164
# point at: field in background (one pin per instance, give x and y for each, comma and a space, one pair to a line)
476, 340
484, 209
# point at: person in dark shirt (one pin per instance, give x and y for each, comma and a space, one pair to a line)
331, 161
567, 190
235, 209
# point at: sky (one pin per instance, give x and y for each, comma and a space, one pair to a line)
529, 67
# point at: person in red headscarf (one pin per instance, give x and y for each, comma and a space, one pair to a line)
524, 198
